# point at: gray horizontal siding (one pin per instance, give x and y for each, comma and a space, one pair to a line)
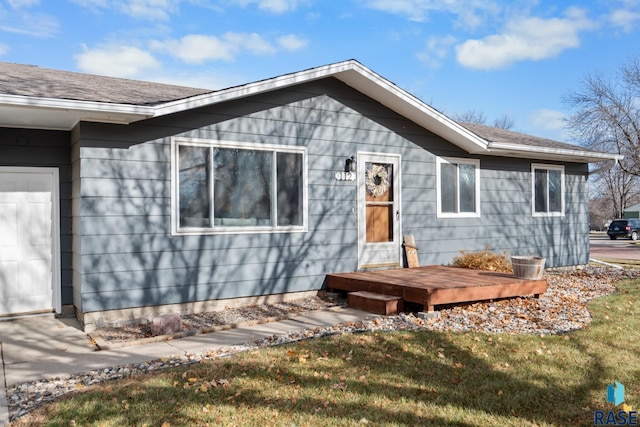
506, 223
129, 259
213, 290
39, 148
211, 258
159, 243
201, 275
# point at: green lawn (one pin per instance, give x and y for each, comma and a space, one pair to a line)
387, 379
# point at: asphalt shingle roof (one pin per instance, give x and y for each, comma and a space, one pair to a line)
34, 81
491, 134
30, 80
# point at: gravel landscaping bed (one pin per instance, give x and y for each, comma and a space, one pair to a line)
223, 319
561, 309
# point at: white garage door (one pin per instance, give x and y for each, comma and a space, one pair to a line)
28, 214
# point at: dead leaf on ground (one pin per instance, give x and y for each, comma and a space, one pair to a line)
339, 386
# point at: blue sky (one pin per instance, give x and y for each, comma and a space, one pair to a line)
517, 57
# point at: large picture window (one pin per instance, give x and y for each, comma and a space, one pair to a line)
229, 187
548, 190
458, 187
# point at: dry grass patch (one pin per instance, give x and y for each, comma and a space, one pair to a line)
386, 379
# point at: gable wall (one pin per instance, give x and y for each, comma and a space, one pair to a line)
129, 258
41, 148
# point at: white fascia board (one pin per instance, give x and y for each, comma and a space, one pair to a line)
250, 89
390, 95
64, 114
70, 104
549, 153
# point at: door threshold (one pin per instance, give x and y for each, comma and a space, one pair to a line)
373, 267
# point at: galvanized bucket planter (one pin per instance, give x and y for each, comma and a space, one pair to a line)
528, 267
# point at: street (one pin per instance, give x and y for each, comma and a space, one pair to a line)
603, 248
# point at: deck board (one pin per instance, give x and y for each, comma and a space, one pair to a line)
435, 284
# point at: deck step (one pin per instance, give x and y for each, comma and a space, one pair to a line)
374, 302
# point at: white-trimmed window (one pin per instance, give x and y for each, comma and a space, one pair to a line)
233, 187
547, 186
458, 182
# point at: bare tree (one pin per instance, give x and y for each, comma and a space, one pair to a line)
616, 190
607, 113
504, 122
478, 117
607, 118
471, 116
599, 213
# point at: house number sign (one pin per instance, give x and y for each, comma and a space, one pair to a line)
345, 176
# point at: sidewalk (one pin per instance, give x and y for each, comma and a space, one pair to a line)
45, 348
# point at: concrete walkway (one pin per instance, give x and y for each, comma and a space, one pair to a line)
45, 347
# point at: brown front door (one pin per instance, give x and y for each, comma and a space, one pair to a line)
378, 210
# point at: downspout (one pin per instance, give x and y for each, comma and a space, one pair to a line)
604, 168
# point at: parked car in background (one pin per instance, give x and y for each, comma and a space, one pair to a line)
624, 228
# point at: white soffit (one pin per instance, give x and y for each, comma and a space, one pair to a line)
64, 114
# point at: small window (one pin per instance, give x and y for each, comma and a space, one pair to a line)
458, 187
230, 187
548, 190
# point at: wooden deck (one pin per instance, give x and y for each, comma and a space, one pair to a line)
435, 284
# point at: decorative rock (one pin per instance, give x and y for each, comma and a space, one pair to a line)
562, 308
166, 324
429, 315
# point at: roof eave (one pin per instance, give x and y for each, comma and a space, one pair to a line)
548, 153
63, 114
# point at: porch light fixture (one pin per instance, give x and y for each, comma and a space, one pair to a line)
350, 164
349, 172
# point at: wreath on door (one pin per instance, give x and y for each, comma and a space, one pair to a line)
377, 180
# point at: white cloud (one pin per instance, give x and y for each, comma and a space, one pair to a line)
416, 10
198, 48
152, 10
92, 4
471, 13
4, 49
251, 42
625, 19
16, 4
274, 6
551, 122
528, 38
292, 42
35, 25
116, 60
436, 49
149, 9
